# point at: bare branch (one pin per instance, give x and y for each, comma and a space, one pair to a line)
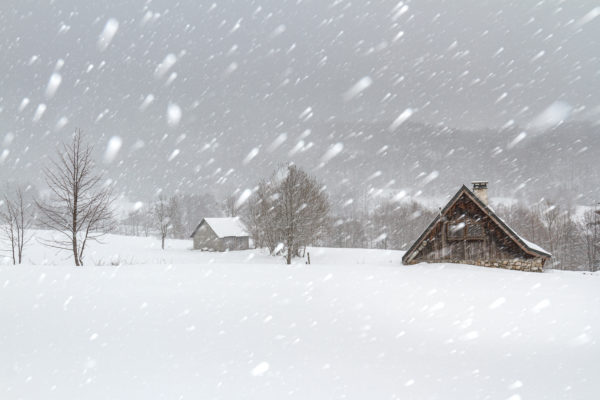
79, 208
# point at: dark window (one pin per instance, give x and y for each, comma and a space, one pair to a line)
475, 230
471, 230
456, 231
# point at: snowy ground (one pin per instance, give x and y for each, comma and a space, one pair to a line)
356, 324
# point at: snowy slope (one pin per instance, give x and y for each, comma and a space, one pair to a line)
355, 324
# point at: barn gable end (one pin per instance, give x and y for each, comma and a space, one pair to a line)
467, 231
220, 234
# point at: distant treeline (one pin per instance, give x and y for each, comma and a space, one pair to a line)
573, 239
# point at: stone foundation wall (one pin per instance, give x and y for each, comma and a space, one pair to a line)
529, 265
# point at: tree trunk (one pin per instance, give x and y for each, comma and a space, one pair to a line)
163, 242
74, 226
75, 254
289, 255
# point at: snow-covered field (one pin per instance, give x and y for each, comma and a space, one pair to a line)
356, 324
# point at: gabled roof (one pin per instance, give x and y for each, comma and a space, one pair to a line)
528, 247
224, 227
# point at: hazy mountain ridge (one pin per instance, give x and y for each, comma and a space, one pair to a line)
560, 163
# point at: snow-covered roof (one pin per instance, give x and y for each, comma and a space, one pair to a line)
527, 243
533, 246
227, 227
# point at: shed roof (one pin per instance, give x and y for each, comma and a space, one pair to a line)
225, 227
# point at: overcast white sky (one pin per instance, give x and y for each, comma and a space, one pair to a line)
208, 72
464, 63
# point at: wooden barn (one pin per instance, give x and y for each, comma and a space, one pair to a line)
467, 231
221, 234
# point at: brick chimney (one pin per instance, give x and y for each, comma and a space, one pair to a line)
480, 190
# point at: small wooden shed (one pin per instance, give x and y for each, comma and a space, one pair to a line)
221, 234
467, 231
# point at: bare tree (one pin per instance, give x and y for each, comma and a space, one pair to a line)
133, 223
79, 207
178, 230
194, 207
590, 226
8, 228
260, 219
147, 221
230, 206
288, 212
347, 232
251, 218
526, 220
17, 219
301, 209
162, 220
556, 228
550, 216
571, 249
19, 212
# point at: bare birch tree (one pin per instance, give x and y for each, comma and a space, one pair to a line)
79, 208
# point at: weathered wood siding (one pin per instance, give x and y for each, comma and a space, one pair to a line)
206, 239
236, 243
465, 234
